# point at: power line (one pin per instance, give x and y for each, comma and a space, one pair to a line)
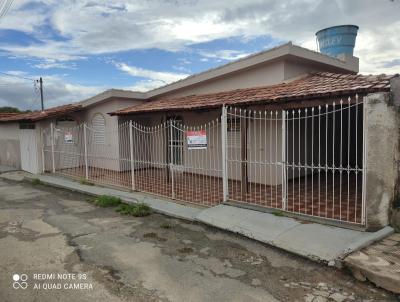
5, 6
16, 76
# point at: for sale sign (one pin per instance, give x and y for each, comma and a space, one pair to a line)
68, 138
196, 139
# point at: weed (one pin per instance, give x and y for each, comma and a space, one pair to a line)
166, 225
36, 181
396, 202
107, 201
277, 213
137, 210
83, 181
154, 236
150, 235
185, 250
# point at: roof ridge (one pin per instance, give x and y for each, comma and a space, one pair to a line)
311, 86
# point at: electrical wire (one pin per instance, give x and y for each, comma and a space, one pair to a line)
16, 76
5, 7
32, 103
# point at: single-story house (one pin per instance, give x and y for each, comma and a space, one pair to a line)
285, 129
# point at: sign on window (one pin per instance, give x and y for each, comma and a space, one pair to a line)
196, 139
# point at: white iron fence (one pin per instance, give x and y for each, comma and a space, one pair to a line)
309, 161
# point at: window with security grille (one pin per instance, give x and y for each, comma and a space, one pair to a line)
233, 133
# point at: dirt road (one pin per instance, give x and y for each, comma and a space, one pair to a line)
63, 248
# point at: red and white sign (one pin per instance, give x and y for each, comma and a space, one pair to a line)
196, 139
68, 138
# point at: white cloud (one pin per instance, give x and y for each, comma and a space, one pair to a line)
145, 85
50, 63
108, 26
24, 94
155, 76
225, 54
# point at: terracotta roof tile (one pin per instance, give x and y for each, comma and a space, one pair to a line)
7, 114
320, 84
41, 115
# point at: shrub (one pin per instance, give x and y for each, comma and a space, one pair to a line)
83, 181
36, 181
278, 213
137, 210
166, 225
107, 201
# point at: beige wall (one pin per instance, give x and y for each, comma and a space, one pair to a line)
10, 154
265, 74
261, 75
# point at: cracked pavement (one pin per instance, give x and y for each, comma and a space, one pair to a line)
45, 230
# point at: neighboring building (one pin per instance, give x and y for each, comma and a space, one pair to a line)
21, 133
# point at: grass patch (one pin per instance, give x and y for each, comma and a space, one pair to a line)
106, 201
83, 181
185, 250
137, 210
36, 181
154, 236
166, 225
278, 213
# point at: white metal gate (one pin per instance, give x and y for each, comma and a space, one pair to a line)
308, 161
29, 150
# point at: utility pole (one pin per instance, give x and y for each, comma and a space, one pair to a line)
41, 92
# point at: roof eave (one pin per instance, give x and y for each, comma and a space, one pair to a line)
272, 101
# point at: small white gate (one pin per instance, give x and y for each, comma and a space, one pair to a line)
29, 150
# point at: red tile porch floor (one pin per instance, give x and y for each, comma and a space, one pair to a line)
324, 196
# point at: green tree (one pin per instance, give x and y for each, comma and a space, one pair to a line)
7, 109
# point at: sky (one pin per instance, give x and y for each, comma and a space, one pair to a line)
83, 47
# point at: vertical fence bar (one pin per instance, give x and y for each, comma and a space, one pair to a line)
284, 205
86, 151
132, 159
52, 148
223, 148
171, 165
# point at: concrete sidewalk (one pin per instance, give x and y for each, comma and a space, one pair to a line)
379, 263
318, 242
315, 241
4, 169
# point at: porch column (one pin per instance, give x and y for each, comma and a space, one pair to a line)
53, 165
381, 143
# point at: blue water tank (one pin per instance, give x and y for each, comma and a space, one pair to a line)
337, 40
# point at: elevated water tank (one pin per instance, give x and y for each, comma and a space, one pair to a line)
337, 40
